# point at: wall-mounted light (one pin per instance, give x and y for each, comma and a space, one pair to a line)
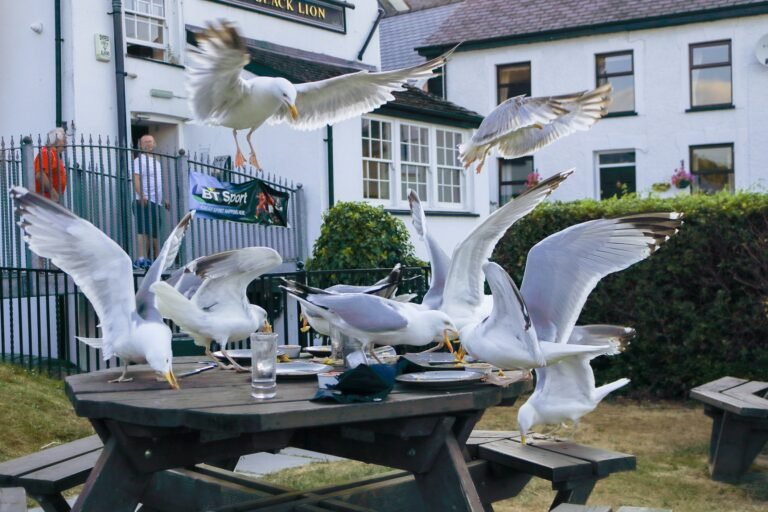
37, 27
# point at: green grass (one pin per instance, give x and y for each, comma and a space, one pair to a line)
35, 413
670, 440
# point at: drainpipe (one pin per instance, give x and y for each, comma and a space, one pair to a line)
329, 150
370, 34
124, 175
59, 40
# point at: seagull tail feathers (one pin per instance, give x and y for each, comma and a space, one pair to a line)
606, 389
92, 342
172, 304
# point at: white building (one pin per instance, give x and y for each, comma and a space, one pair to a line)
687, 86
73, 78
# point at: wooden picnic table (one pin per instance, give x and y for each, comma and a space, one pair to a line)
147, 428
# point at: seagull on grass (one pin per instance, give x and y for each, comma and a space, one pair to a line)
220, 96
375, 320
218, 309
521, 126
132, 328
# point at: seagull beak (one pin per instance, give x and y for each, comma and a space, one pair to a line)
304, 323
171, 378
294, 111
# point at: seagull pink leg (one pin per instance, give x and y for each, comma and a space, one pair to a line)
252, 159
239, 158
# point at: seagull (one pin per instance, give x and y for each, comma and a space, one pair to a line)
439, 261
521, 126
561, 271
218, 309
376, 320
463, 298
220, 96
131, 326
507, 338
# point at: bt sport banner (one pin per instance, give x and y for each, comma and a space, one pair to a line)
253, 201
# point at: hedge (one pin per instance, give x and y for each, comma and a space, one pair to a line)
698, 304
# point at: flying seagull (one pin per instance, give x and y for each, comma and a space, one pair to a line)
132, 328
218, 309
220, 96
521, 126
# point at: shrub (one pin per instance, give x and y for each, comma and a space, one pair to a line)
359, 235
698, 304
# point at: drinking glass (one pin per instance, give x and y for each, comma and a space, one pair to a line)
263, 365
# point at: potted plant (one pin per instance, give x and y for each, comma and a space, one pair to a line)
681, 178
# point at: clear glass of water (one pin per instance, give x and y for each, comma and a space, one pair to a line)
263, 365
336, 343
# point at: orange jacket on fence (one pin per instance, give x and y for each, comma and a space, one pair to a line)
50, 160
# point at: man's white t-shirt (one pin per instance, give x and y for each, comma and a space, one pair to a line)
151, 175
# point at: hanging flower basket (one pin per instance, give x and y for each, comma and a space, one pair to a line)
681, 178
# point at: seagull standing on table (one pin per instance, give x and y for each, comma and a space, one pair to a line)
132, 328
521, 126
561, 271
220, 96
218, 309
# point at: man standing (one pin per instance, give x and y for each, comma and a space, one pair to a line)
50, 175
148, 195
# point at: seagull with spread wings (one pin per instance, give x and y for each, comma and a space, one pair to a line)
521, 126
217, 308
220, 96
132, 328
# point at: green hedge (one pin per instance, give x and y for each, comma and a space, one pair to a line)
698, 304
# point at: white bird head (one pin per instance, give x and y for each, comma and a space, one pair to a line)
527, 417
157, 341
443, 327
287, 94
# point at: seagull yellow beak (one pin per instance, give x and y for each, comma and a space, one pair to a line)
171, 378
294, 111
304, 323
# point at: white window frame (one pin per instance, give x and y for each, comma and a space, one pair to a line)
396, 201
163, 22
389, 162
599, 167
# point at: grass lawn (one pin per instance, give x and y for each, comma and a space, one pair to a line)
669, 439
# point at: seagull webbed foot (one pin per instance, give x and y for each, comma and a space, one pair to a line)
239, 160
254, 162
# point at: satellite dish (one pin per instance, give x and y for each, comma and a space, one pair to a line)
761, 52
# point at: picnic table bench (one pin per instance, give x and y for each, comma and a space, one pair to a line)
739, 412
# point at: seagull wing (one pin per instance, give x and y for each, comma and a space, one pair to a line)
343, 97
571, 381
564, 268
226, 276
464, 283
367, 313
145, 299
95, 262
514, 114
213, 73
578, 112
439, 261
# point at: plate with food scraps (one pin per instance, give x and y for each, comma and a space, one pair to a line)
319, 350
440, 379
241, 356
298, 369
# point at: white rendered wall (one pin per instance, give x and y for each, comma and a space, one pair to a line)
662, 131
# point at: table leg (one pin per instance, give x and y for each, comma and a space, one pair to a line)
113, 485
448, 484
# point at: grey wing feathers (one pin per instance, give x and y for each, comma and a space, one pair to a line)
364, 312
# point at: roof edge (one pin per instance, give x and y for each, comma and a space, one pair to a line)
667, 20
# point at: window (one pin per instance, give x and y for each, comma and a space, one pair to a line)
450, 175
712, 168
145, 31
400, 155
618, 69
711, 74
512, 177
377, 158
617, 173
436, 84
513, 80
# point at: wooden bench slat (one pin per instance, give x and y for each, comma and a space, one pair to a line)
570, 507
603, 462
35, 461
746, 392
728, 403
720, 384
529, 459
60, 477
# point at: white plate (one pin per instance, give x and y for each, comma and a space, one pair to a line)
319, 350
440, 378
240, 355
301, 369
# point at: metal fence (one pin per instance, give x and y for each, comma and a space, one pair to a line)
43, 312
100, 188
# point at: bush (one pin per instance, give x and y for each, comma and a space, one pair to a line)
698, 304
358, 235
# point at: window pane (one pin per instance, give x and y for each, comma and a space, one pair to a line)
142, 30
386, 131
616, 181
386, 154
130, 26
617, 158
614, 64
711, 86
711, 54
711, 183
623, 95
517, 169
513, 80
712, 159
366, 128
375, 130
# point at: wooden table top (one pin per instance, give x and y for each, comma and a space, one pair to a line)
739, 396
218, 400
